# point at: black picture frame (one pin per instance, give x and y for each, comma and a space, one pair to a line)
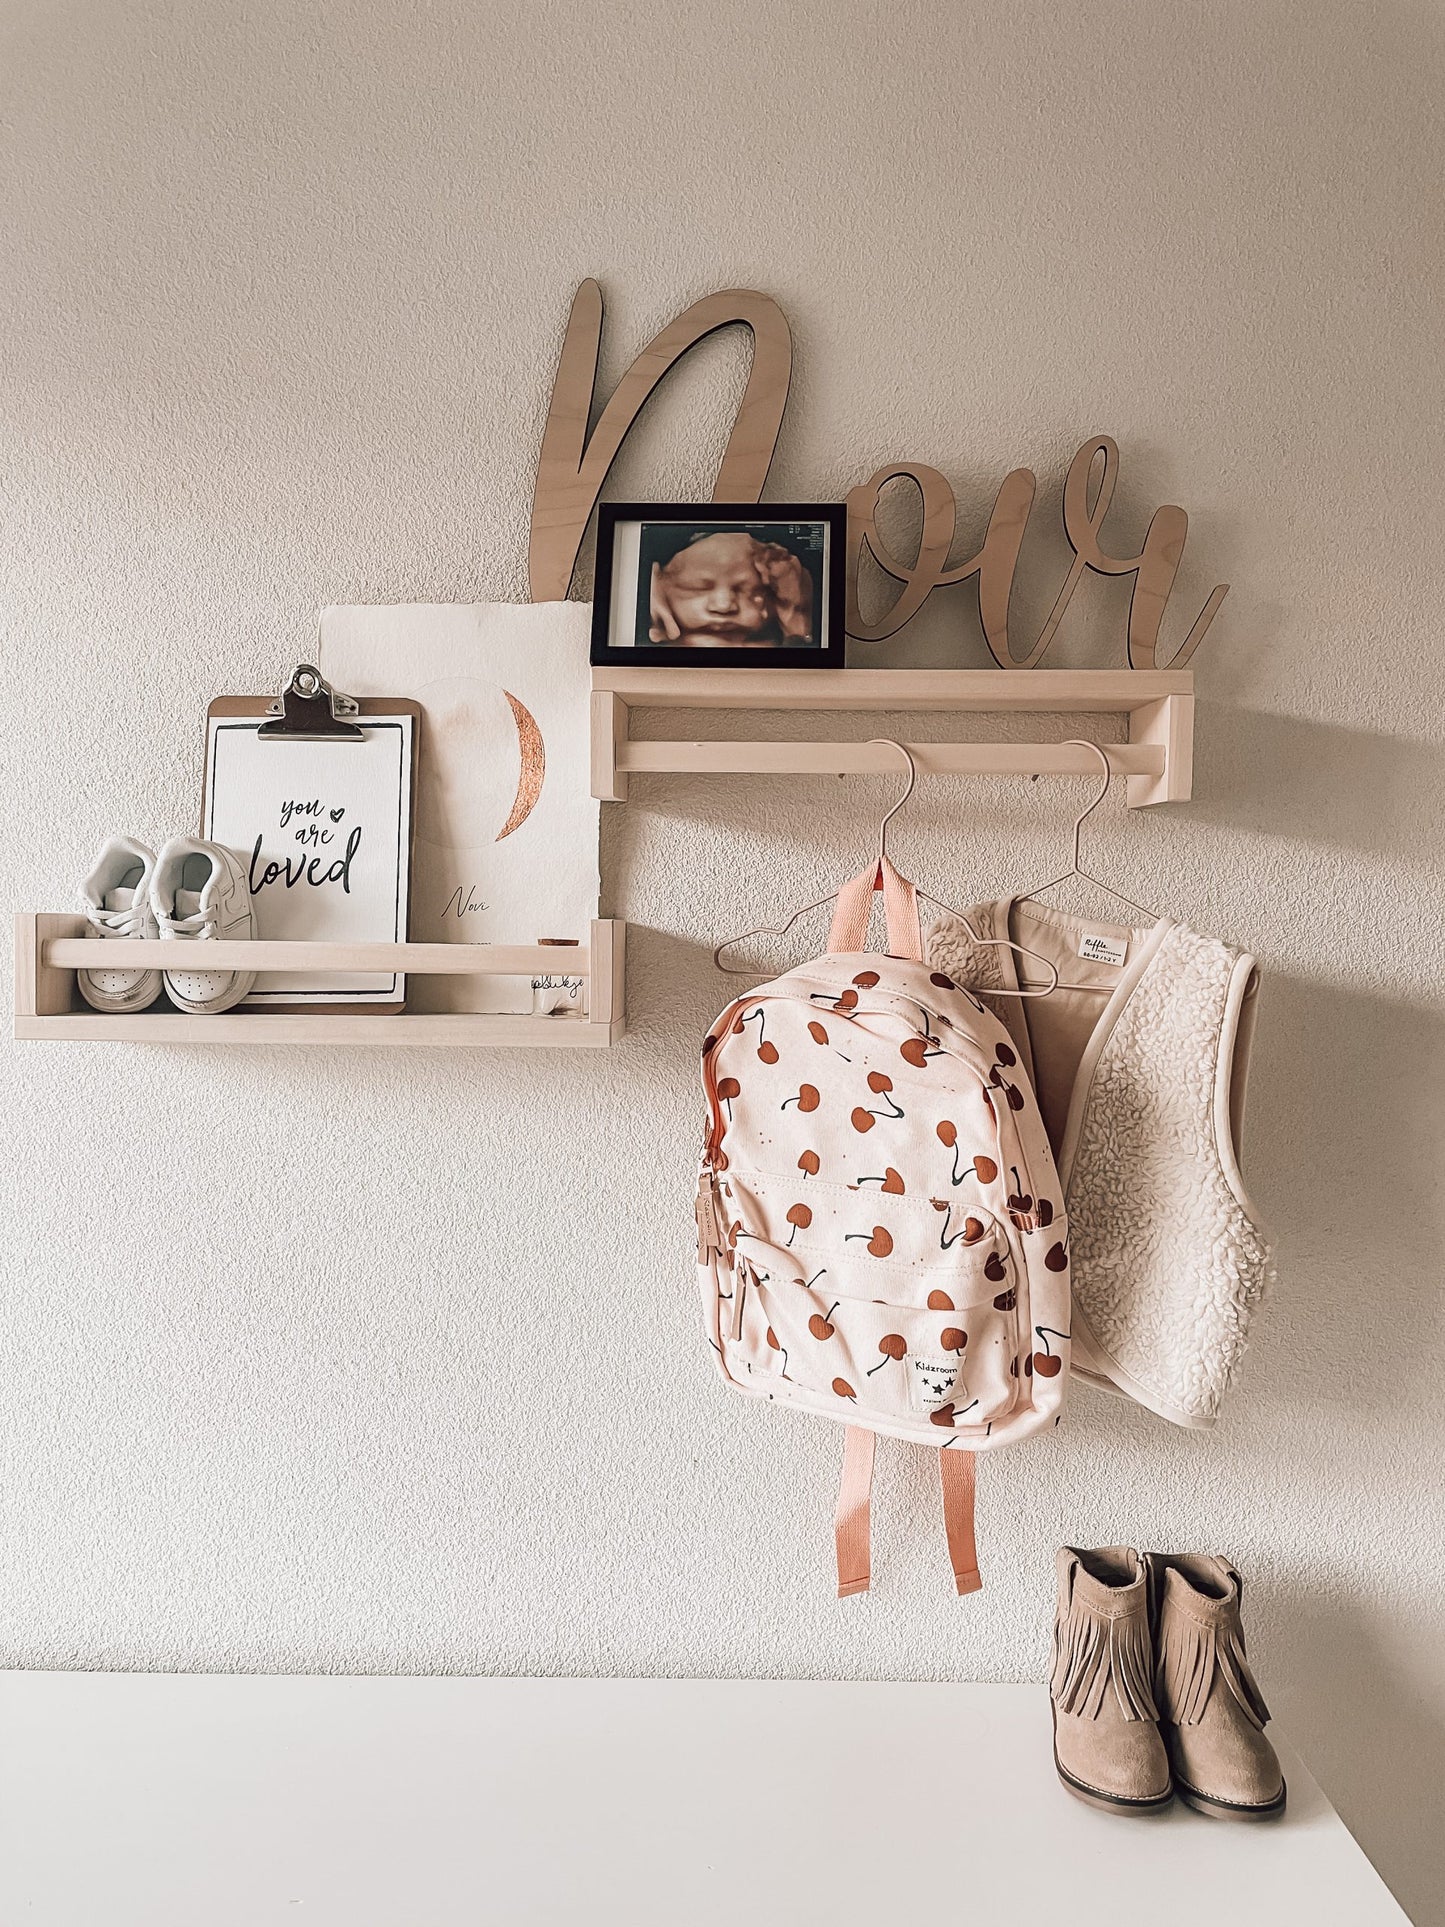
787, 522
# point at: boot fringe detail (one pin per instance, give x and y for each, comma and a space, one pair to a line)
1191, 1656
1094, 1654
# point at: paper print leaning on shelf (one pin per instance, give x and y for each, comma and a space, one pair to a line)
506, 834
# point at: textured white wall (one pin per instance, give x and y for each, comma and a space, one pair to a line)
324, 1362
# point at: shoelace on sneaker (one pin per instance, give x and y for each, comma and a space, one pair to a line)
128, 922
200, 923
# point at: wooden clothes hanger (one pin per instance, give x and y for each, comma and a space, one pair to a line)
1078, 870
991, 943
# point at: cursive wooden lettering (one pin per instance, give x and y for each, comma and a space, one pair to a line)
994, 565
1153, 568
1084, 509
573, 466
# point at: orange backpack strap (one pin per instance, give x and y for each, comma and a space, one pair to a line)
850, 1521
849, 929
957, 1472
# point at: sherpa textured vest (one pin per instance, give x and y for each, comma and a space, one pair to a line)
1141, 1083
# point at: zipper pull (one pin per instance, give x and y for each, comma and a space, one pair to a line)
709, 1232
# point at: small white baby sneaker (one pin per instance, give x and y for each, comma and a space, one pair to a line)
116, 899
199, 893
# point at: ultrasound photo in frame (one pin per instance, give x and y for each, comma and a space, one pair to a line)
719, 584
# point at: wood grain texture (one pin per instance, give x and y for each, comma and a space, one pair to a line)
772, 758
1088, 491
43, 989
573, 465
320, 1027
1043, 692
27, 956
1167, 725
994, 564
609, 734
605, 999
1157, 759
424, 959
49, 950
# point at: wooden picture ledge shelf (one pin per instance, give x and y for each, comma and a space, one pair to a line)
1157, 759
50, 949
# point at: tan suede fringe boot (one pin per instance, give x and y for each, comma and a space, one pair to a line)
1212, 1713
1107, 1747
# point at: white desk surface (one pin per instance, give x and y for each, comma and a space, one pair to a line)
174, 1800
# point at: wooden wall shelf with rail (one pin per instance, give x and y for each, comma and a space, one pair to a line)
50, 949
1157, 758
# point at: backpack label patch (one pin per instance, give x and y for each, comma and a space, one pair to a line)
934, 1382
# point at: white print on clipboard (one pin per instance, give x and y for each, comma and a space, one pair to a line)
324, 829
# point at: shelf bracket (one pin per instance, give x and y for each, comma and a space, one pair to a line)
609, 733
1169, 724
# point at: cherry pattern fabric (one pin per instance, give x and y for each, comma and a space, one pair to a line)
882, 1238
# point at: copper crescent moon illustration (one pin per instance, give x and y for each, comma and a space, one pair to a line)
534, 766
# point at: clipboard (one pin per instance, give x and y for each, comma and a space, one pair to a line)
316, 792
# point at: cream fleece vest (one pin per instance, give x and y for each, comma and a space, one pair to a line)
1140, 1072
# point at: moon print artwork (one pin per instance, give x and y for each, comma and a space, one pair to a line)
506, 833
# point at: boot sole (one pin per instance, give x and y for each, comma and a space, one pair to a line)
1230, 1809
1111, 1802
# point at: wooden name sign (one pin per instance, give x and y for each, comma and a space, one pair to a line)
573, 466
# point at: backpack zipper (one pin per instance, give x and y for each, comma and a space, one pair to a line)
708, 1208
716, 1125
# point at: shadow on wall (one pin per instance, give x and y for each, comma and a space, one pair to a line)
1355, 1316
1242, 753
1362, 1724
1357, 1249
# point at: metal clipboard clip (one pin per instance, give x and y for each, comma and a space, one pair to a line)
309, 710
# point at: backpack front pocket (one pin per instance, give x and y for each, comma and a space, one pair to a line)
953, 1363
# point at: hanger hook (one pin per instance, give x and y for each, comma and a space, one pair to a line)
888, 815
1080, 742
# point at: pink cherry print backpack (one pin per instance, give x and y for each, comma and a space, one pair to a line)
881, 1237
